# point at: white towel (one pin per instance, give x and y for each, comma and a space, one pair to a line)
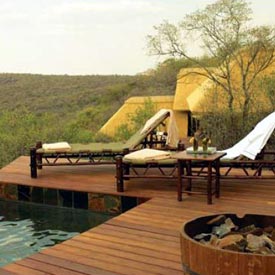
57, 146
253, 143
172, 131
148, 154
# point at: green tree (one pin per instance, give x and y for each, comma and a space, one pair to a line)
223, 32
21, 129
267, 84
164, 76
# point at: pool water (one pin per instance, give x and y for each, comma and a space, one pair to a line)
26, 228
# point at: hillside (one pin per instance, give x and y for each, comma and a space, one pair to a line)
71, 108
66, 94
52, 108
58, 94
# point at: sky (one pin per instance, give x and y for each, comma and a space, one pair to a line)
84, 37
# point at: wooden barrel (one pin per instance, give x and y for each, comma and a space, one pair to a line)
201, 259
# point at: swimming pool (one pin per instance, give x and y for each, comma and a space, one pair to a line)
26, 228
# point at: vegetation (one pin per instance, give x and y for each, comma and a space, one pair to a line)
53, 108
238, 53
216, 125
135, 121
218, 121
20, 129
267, 84
73, 108
241, 52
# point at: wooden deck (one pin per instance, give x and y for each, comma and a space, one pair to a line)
144, 240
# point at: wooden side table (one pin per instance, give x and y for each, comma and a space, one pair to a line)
187, 161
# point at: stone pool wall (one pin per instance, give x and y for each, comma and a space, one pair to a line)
65, 198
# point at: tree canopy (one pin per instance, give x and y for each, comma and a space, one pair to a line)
224, 32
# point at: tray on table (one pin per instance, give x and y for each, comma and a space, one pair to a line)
210, 150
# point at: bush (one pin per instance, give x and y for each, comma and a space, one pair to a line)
226, 131
21, 129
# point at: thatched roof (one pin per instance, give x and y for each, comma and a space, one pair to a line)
191, 87
130, 106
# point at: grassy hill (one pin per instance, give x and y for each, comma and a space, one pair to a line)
64, 94
71, 108
58, 94
52, 108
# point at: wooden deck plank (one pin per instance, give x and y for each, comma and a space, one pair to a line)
99, 243
127, 254
23, 270
98, 263
133, 236
134, 243
47, 267
69, 265
5, 272
119, 261
142, 228
144, 240
137, 233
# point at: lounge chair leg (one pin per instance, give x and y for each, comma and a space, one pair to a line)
119, 174
33, 163
39, 156
126, 171
125, 168
179, 185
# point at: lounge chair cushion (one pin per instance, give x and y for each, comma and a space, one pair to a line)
57, 146
148, 154
160, 162
115, 147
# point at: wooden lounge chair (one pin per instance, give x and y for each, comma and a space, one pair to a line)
263, 167
249, 159
141, 163
97, 153
250, 155
257, 167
